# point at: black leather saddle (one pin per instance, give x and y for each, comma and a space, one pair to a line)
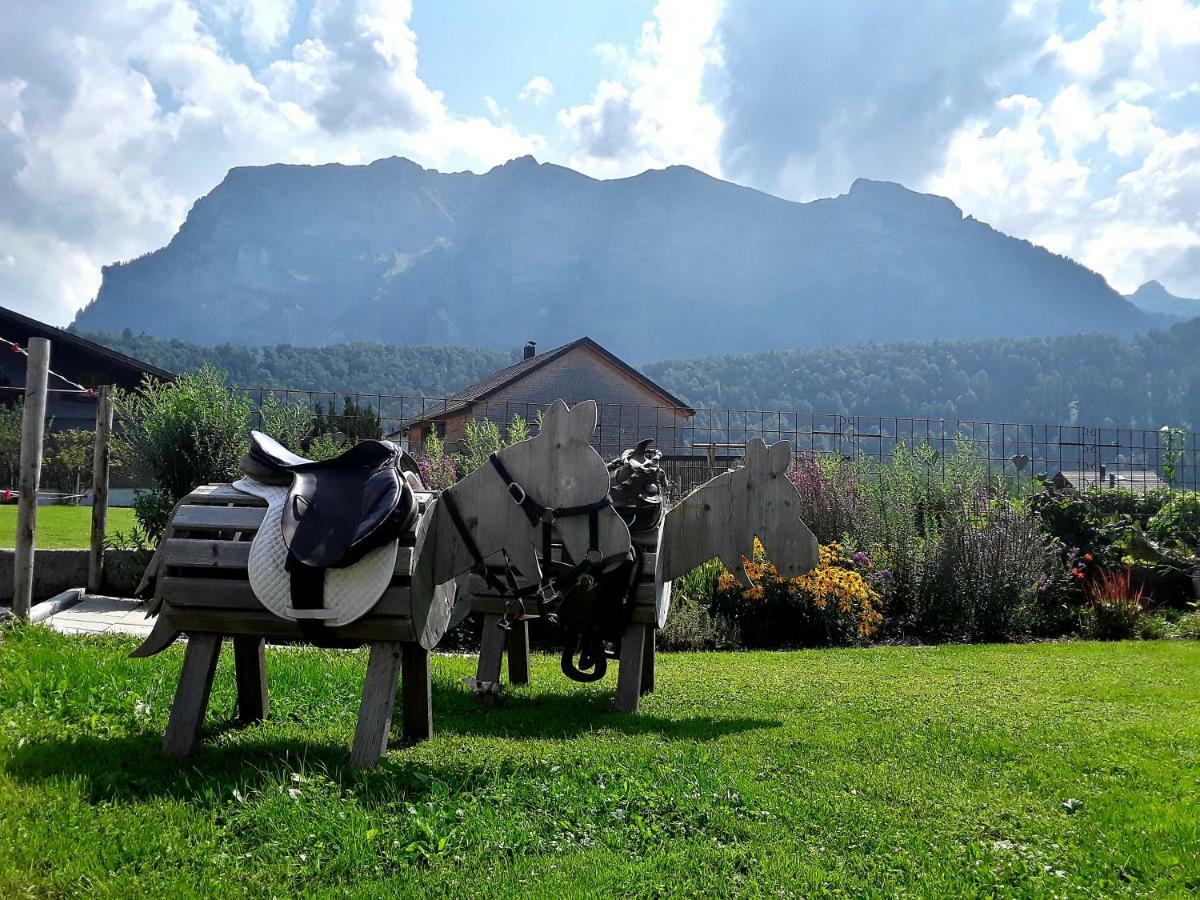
337, 510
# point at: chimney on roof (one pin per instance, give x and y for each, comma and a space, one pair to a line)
530, 350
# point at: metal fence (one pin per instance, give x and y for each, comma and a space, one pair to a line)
698, 446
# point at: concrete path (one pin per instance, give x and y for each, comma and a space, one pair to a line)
103, 615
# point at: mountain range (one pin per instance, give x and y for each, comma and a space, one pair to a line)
668, 263
1155, 299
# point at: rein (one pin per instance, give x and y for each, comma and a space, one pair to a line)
549, 592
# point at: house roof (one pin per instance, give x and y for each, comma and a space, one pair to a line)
35, 328
1132, 479
484, 388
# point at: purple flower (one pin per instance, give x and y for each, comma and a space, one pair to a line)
885, 575
860, 558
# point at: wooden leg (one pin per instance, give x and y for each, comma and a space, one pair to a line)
416, 689
517, 647
191, 696
378, 701
250, 668
648, 661
629, 674
491, 651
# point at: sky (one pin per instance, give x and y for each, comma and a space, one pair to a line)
1073, 124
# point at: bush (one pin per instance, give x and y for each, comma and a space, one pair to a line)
1114, 607
692, 624
1177, 522
834, 604
184, 433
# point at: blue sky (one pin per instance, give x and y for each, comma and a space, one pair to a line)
1073, 123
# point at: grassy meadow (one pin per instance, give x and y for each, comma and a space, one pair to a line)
62, 527
1052, 770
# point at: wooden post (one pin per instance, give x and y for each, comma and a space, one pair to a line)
191, 695
491, 651
250, 672
648, 660
416, 691
104, 418
378, 701
33, 427
629, 673
516, 645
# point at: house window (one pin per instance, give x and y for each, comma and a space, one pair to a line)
439, 428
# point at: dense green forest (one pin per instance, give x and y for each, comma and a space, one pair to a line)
360, 367
1092, 379
1096, 380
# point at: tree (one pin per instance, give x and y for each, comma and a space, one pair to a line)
183, 433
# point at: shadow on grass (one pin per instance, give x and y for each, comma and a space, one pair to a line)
131, 768
558, 716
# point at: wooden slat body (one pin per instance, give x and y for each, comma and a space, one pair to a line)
204, 587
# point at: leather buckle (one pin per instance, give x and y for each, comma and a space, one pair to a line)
548, 516
516, 492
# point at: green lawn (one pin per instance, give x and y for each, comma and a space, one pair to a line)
920, 771
62, 527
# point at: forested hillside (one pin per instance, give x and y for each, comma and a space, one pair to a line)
363, 367
1096, 380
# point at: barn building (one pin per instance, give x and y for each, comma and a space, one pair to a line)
76, 358
632, 407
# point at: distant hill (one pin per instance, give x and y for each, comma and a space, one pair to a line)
668, 263
1093, 379
367, 368
1097, 380
1153, 298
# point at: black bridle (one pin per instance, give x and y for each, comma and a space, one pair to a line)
550, 591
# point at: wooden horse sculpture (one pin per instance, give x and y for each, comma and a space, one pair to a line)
722, 517
540, 498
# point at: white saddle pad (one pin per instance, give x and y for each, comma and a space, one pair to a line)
349, 593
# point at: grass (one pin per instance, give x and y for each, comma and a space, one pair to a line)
62, 527
1055, 769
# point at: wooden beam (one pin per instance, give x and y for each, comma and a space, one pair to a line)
100, 467
517, 647
378, 701
491, 650
33, 428
250, 670
191, 695
629, 672
416, 693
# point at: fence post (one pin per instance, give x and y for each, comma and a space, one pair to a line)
33, 427
100, 462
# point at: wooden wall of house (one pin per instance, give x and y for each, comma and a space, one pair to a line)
629, 411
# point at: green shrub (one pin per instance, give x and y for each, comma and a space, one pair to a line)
1152, 628
1188, 625
1177, 522
182, 433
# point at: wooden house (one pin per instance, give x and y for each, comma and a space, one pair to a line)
82, 361
632, 407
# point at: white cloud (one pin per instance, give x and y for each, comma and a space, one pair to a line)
537, 90
115, 118
656, 111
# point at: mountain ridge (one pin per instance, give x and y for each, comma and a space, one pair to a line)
669, 262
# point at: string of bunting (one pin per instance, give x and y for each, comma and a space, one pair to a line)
17, 348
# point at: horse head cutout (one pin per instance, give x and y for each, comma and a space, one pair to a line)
722, 517
558, 469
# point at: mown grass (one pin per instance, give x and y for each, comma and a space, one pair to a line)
62, 527
921, 771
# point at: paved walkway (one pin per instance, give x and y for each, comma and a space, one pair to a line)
103, 615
